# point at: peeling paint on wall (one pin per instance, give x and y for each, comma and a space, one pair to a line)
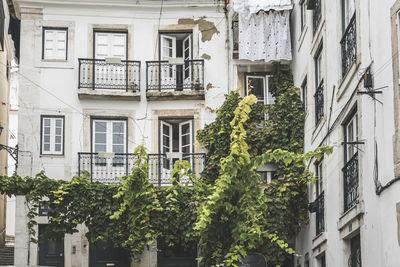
209, 86
206, 56
207, 28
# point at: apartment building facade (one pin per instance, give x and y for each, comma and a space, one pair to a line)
98, 79
345, 59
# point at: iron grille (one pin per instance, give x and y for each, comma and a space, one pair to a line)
355, 259
235, 32
106, 167
350, 177
319, 102
320, 214
100, 74
161, 165
349, 45
317, 15
166, 76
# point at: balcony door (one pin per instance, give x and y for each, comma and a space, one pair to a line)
109, 146
176, 75
109, 49
176, 143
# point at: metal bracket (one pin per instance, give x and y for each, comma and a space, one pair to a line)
353, 143
13, 151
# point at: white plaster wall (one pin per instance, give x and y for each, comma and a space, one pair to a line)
50, 88
379, 226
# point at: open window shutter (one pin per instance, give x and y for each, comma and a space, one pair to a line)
118, 45
55, 44
168, 47
102, 46
187, 55
185, 137
166, 137
49, 51
61, 44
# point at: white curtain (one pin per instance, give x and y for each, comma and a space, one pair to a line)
265, 36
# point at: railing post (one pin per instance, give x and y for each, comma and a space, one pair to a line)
91, 167
139, 73
159, 75
79, 164
202, 74
79, 74
94, 74
159, 169
191, 73
126, 166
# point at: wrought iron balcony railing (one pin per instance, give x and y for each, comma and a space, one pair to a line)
102, 74
350, 181
319, 102
320, 214
105, 167
235, 32
355, 259
317, 15
349, 46
161, 165
175, 76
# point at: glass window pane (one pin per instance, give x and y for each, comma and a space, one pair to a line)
59, 131
118, 138
99, 148
118, 127
256, 87
185, 140
46, 122
185, 128
58, 122
118, 149
46, 130
101, 126
58, 139
46, 147
100, 138
58, 147
46, 139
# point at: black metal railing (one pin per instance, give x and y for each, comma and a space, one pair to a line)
350, 181
349, 45
319, 102
355, 259
317, 15
106, 167
103, 74
163, 75
320, 214
161, 166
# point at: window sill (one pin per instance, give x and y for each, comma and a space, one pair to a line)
51, 156
345, 82
302, 37
176, 95
108, 94
318, 128
319, 244
349, 221
317, 36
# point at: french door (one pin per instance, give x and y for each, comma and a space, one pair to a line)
110, 46
109, 142
176, 143
168, 50
187, 56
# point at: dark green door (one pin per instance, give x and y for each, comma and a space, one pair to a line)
104, 254
176, 256
51, 253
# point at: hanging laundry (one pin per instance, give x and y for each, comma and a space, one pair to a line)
265, 36
248, 7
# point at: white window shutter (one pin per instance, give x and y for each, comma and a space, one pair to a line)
55, 44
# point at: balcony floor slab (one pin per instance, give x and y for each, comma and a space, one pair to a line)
106, 94
176, 95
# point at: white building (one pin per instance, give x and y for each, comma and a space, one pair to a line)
346, 62
99, 78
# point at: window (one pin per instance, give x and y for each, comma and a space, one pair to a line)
355, 252
320, 200
322, 261
52, 135
55, 43
259, 85
348, 9
110, 45
319, 188
319, 85
267, 176
304, 93
109, 136
350, 169
303, 9
307, 260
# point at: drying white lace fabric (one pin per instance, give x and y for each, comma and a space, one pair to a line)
248, 7
265, 36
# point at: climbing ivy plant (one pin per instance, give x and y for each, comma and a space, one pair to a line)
228, 212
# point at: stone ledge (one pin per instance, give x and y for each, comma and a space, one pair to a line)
104, 94
176, 95
351, 221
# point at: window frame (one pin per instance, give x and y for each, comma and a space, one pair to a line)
52, 151
304, 91
111, 31
46, 28
319, 185
303, 14
183, 119
353, 118
345, 23
2, 26
107, 119
266, 76
318, 61
160, 33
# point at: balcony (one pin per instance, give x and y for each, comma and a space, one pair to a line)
319, 102
175, 79
105, 167
161, 165
320, 214
350, 181
349, 46
109, 77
